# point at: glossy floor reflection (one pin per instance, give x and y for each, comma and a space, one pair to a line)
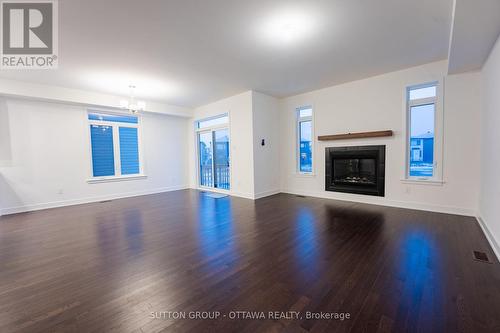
108, 266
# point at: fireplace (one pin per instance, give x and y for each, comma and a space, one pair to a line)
359, 169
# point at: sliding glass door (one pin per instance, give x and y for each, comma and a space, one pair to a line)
213, 155
221, 159
206, 158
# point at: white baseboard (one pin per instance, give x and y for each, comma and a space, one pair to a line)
363, 199
244, 195
265, 194
241, 195
386, 202
489, 236
55, 204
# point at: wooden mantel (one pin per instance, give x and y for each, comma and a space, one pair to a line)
358, 135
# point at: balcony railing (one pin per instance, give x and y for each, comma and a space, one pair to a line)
221, 179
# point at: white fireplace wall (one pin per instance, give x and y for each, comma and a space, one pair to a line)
377, 103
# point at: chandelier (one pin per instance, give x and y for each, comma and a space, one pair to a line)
132, 104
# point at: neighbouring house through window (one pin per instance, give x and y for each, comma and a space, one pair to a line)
422, 108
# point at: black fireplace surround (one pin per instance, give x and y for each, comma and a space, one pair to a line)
358, 169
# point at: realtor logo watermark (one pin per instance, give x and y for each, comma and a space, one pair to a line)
29, 34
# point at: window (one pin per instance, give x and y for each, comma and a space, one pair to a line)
114, 141
305, 140
423, 140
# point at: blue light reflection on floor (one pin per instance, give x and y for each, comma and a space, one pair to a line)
134, 231
215, 229
306, 245
419, 267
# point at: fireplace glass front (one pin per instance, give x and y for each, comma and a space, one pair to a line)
358, 169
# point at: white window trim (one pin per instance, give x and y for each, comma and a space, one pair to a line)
437, 178
213, 127
197, 131
116, 147
97, 180
298, 120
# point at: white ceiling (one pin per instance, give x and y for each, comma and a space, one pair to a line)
188, 52
476, 26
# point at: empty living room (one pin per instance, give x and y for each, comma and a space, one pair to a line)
250, 166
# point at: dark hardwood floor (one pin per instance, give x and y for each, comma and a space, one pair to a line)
113, 266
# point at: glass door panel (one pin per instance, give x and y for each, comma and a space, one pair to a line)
205, 147
422, 140
221, 159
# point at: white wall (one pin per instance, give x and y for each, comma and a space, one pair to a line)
377, 103
266, 125
253, 116
44, 148
45, 156
239, 108
489, 207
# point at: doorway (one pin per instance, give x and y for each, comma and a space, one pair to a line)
213, 153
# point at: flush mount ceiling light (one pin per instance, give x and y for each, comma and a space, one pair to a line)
288, 27
131, 104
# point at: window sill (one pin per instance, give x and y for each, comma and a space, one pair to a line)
305, 175
98, 180
431, 182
